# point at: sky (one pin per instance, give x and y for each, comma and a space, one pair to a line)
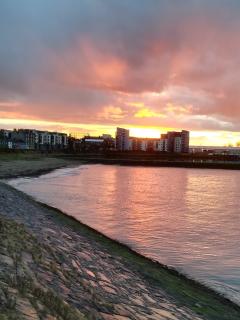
87, 66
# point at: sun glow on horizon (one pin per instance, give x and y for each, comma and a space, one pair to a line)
200, 138
145, 132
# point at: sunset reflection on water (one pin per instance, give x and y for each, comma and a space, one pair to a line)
185, 218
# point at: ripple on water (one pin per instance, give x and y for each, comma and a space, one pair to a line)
185, 218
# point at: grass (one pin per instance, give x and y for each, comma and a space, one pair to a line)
12, 156
187, 292
14, 241
199, 298
27, 155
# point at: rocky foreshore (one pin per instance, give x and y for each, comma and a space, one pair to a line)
52, 267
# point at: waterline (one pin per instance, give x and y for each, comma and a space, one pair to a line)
184, 218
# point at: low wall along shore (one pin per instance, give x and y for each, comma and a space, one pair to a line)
53, 267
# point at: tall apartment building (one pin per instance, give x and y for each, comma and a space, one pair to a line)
185, 141
143, 144
174, 142
122, 139
162, 144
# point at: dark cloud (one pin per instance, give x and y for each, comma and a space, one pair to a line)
73, 61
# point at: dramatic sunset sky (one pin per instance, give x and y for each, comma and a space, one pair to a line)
88, 66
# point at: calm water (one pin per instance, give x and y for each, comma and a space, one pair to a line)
185, 218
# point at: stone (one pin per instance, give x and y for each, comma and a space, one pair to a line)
148, 298
109, 290
75, 264
142, 287
103, 277
90, 273
137, 301
121, 310
107, 316
48, 230
64, 290
164, 313
84, 256
26, 309
93, 284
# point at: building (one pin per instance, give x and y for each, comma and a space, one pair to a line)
122, 139
173, 141
95, 144
31, 139
5, 133
52, 141
215, 150
162, 144
143, 144
185, 136
23, 139
5, 139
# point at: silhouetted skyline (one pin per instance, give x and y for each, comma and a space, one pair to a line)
89, 66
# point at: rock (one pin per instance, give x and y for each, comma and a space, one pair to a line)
84, 256
148, 298
64, 290
90, 273
76, 264
25, 309
103, 277
137, 301
93, 284
163, 313
142, 287
109, 290
121, 310
107, 316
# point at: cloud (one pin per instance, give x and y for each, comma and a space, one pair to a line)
177, 63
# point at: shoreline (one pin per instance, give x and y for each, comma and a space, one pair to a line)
77, 224
153, 263
186, 291
224, 165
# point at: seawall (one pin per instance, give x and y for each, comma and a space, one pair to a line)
100, 278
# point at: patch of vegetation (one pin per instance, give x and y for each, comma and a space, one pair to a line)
205, 302
16, 283
20, 155
199, 298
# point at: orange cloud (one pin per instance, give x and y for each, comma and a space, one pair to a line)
111, 113
178, 110
147, 113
